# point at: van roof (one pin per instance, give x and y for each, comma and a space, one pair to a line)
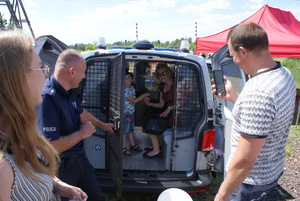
128, 48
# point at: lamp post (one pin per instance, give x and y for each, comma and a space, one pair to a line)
195, 30
136, 32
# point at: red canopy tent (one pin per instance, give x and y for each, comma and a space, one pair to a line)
282, 27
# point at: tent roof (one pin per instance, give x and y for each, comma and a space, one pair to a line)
282, 27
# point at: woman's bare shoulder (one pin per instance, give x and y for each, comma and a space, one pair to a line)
7, 178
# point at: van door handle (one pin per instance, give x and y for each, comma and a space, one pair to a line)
117, 123
219, 111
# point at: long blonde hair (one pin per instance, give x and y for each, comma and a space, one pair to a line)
17, 114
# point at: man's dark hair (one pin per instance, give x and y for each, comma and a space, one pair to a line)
248, 35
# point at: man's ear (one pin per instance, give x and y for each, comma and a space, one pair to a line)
243, 51
71, 71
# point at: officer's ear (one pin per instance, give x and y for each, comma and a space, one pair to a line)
71, 71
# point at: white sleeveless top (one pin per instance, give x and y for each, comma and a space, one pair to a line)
26, 189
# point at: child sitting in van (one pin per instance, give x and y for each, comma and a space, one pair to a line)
129, 108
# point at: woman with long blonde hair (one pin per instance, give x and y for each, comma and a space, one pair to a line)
28, 163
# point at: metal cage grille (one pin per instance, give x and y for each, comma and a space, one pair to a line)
116, 110
188, 105
95, 91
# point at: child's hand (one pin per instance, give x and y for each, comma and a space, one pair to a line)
146, 99
146, 94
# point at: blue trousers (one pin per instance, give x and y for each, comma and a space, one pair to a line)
77, 171
247, 192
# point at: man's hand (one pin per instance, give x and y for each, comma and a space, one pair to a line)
220, 198
231, 94
65, 142
87, 129
108, 127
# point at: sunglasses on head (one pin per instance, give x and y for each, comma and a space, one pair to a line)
161, 74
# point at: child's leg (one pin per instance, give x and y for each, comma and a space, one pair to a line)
133, 145
130, 130
124, 141
125, 134
131, 139
125, 150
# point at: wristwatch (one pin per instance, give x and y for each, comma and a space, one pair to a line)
169, 107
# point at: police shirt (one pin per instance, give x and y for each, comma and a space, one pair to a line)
59, 114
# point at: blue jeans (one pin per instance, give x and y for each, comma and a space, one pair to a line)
247, 192
128, 124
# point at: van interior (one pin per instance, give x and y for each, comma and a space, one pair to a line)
178, 147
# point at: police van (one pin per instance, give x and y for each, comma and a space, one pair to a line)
198, 144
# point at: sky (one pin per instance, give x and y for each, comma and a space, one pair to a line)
85, 21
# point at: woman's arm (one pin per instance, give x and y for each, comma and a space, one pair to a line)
160, 104
167, 111
7, 179
66, 190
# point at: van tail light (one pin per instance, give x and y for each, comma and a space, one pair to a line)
208, 140
197, 191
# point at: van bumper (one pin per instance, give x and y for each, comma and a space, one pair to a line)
198, 183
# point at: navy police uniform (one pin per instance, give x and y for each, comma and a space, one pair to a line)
59, 115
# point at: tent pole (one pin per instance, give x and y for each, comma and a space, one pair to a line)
297, 120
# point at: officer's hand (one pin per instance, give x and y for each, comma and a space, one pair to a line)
109, 127
87, 129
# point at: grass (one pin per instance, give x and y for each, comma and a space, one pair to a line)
209, 195
294, 66
294, 135
113, 197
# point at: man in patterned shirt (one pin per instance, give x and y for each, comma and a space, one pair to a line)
262, 114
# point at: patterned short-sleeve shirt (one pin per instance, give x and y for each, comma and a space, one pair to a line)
129, 107
265, 109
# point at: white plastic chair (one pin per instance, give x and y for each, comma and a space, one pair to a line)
174, 194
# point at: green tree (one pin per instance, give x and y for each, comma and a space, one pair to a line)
3, 23
90, 46
126, 43
78, 46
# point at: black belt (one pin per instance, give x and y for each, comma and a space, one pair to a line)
72, 160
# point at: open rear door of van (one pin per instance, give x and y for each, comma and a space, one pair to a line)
116, 116
49, 48
221, 59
